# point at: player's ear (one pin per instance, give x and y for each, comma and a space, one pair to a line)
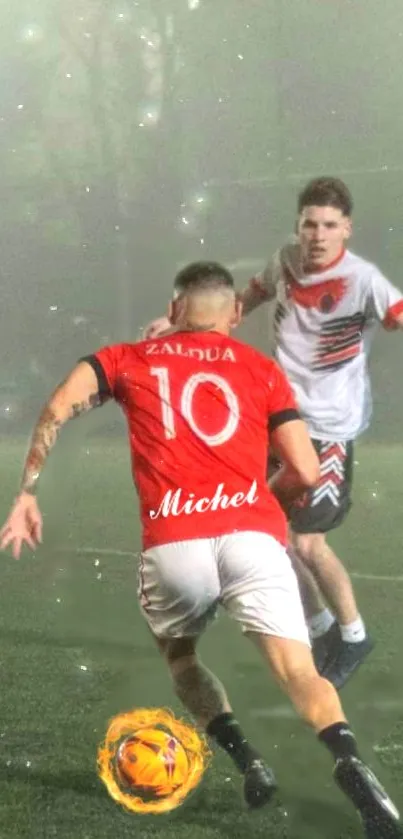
171, 311
238, 310
348, 228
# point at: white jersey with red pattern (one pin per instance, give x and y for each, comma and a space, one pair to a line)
324, 323
199, 408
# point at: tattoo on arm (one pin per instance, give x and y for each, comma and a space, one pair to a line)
44, 438
93, 401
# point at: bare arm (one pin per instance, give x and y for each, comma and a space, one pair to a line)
75, 396
301, 469
260, 289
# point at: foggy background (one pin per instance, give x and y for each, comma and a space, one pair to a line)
136, 136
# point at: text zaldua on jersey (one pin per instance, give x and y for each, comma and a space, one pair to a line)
199, 353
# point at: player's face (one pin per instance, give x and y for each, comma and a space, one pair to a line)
322, 233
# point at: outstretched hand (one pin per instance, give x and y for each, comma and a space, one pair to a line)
22, 526
156, 328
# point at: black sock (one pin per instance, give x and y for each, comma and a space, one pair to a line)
227, 732
340, 740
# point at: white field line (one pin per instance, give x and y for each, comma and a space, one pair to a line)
383, 706
392, 748
383, 578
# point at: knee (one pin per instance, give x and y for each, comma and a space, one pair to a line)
310, 548
179, 653
294, 672
301, 681
290, 661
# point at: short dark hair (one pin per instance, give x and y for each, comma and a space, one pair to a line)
203, 276
326, 192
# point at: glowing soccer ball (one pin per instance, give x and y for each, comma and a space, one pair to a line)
151, 761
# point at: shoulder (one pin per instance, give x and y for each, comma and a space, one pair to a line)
251, 356
290, 249
360, 267
128, 350
116, 354
287, 260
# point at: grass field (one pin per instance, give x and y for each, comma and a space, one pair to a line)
74, 652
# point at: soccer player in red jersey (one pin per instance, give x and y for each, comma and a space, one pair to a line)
328, 303
200, 407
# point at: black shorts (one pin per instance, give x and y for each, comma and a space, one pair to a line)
325, 507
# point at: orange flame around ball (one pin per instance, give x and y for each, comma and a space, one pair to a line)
193, 749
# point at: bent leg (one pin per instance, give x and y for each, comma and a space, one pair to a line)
198, 689
329, 574
204, 696
292, 665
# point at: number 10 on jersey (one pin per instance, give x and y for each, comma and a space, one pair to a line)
186, 405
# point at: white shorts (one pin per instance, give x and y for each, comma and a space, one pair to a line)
181, 585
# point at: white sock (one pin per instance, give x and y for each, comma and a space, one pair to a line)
353, 632
320, 623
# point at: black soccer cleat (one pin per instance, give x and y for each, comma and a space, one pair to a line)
379, 816
325, 647
259, 784
347, 660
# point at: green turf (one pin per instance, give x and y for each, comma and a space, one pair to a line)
65, 609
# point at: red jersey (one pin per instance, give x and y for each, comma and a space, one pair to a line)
200, 407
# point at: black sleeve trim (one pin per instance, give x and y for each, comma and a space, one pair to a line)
103, 386
289, 414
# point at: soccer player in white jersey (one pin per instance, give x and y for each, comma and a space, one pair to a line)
199, 406
328, 303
